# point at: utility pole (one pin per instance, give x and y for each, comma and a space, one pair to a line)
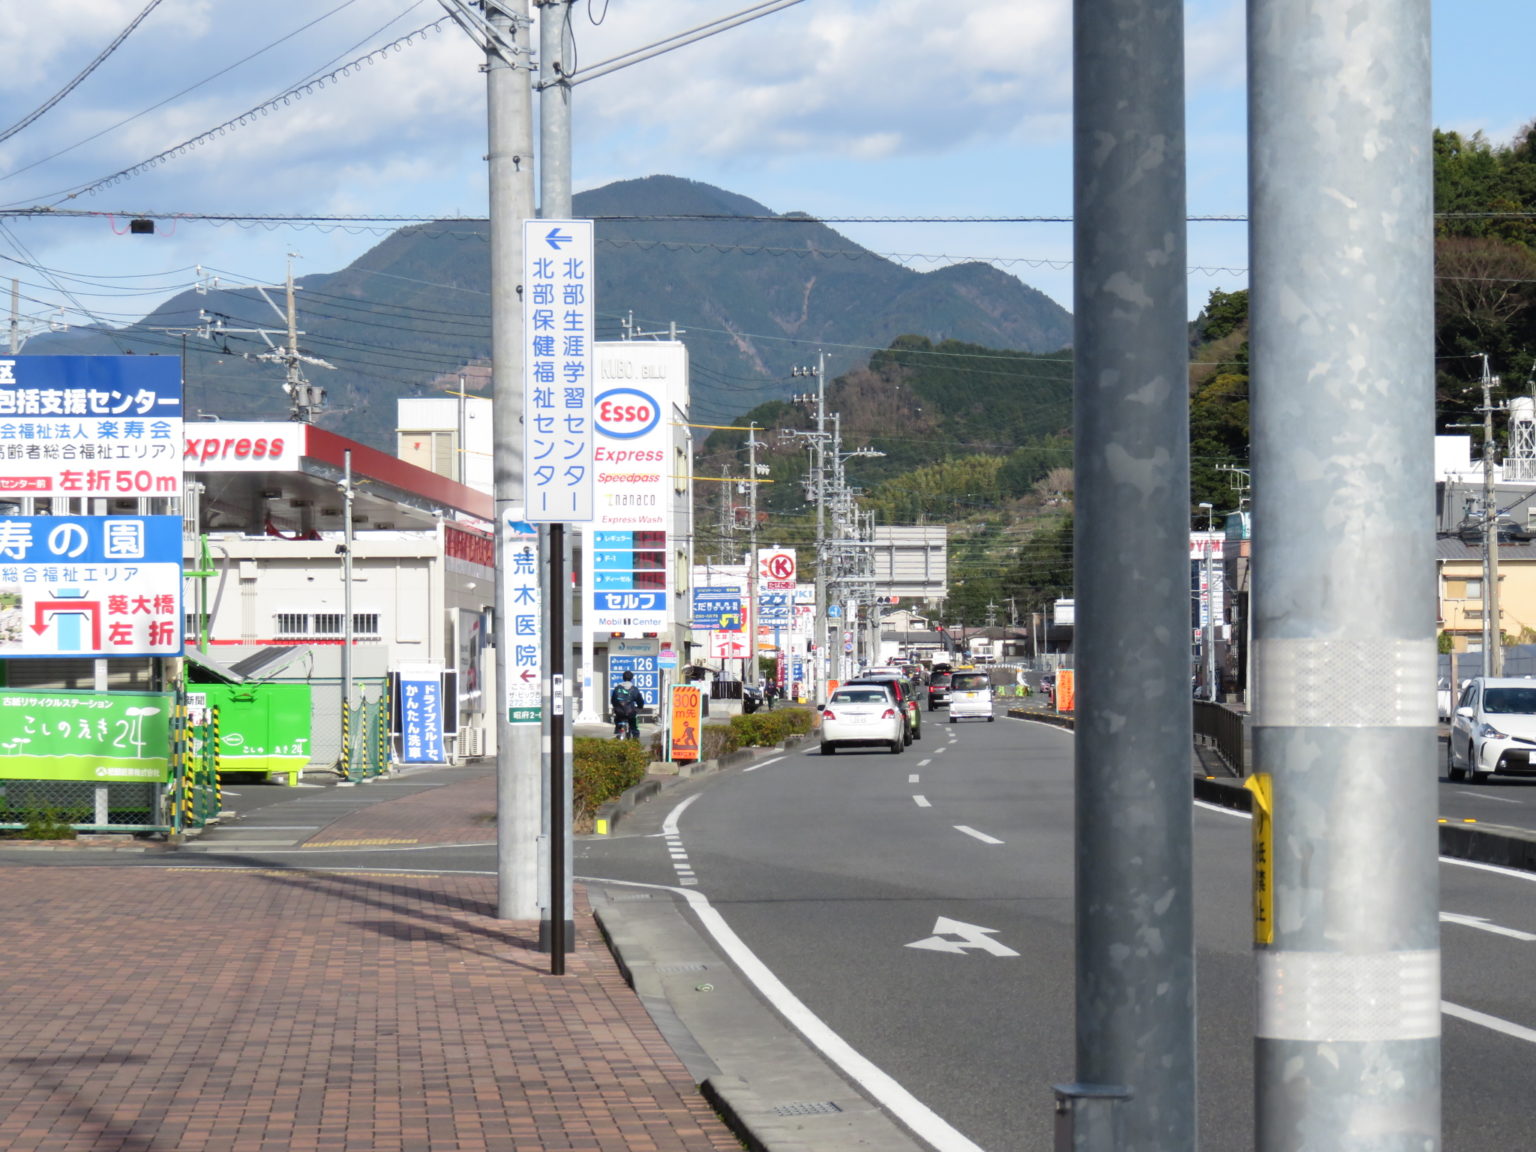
1493, 633
509, 103
826, 652
750, 672
1135, 1086
1347, 945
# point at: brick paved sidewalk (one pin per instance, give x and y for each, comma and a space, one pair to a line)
154, 1009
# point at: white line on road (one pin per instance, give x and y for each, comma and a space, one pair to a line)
912, 779
669, 825
921, 801
982, 836
940, 751
1483, 924
877, 1083
764, 764
1485, 796
1471, 1016
925, 763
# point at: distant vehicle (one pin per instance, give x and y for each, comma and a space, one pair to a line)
1493, 730
751, 699
862, 714
905, 697
938, 690
970, 696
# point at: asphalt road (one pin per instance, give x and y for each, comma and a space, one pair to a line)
920, 906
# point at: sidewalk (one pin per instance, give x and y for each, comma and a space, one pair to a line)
267, 1009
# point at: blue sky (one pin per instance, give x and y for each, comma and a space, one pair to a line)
832, 107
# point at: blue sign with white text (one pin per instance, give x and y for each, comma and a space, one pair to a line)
421, 718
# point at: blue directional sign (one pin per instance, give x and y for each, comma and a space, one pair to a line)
629, 601
717, 610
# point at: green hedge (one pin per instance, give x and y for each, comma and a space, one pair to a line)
604, 768
764, 729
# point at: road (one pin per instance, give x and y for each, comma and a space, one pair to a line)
920, 907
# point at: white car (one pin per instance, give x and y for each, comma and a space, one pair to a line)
970, 696
862, 714
1493, 730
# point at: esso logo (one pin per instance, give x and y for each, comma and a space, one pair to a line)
625, 413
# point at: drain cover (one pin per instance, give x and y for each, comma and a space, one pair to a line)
674, 968
816, 1108
625, 897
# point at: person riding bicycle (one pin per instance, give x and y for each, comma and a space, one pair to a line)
626, 700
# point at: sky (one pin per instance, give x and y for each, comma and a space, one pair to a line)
862, 108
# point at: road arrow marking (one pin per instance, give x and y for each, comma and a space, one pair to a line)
971, 936
1484, 924
556, 238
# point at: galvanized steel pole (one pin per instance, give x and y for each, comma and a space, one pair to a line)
509, 105
1347, 1046
1135, 935
557, 928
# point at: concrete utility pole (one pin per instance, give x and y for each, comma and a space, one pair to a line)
1135, 1085
826, 653
509, 102
750, 672
1347, 1044
1493, 633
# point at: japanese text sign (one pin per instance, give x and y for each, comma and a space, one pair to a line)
102, 737
90, 426
421, 716
558, 284
90, 586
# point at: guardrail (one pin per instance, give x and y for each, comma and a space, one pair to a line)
1222, 728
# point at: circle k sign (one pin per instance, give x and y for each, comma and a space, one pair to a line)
779, 566
625, 413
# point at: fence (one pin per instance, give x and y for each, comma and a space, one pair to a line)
365, 745
1224, 729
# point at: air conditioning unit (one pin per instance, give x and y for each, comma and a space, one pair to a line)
471, 743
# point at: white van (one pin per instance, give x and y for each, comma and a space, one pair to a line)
970, 696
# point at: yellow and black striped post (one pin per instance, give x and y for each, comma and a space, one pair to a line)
182, 802
215, 753
381, 732
345, 767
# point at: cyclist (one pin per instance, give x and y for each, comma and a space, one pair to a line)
626, 700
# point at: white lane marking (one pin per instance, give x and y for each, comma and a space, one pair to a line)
669, 825
1484, 924
971, 936
982, 836
680, 864
940, 751
921, 801
1485, 796
1472, 1016
863, 1072
912, 779
764, 764
925, 763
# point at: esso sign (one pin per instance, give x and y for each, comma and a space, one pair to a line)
625, 413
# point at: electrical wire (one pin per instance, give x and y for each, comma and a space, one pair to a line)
37, 112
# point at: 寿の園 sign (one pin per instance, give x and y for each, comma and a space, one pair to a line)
100, 737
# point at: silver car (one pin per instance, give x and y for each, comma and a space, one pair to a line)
1493, 730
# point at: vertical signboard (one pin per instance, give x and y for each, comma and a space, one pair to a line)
521, 630
558, 284
687, 716
421, 714
628, 579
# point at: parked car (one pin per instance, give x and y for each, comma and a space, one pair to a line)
1493, 730
938, 690
862, 714
905, 698
970, 696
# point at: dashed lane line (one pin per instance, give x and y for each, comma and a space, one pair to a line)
982, 836
921, 802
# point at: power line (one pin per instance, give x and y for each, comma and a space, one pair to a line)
41, 109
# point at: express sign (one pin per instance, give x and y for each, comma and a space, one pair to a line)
625, 413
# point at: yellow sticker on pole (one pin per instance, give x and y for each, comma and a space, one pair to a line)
1260, 786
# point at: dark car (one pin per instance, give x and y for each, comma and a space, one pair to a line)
938, 690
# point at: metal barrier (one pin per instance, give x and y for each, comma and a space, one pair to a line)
1224, 729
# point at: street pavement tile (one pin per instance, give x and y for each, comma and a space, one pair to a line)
275, 1010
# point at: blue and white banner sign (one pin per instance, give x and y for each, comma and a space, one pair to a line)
421, 717
558, 284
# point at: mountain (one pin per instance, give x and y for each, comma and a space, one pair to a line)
754, 294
